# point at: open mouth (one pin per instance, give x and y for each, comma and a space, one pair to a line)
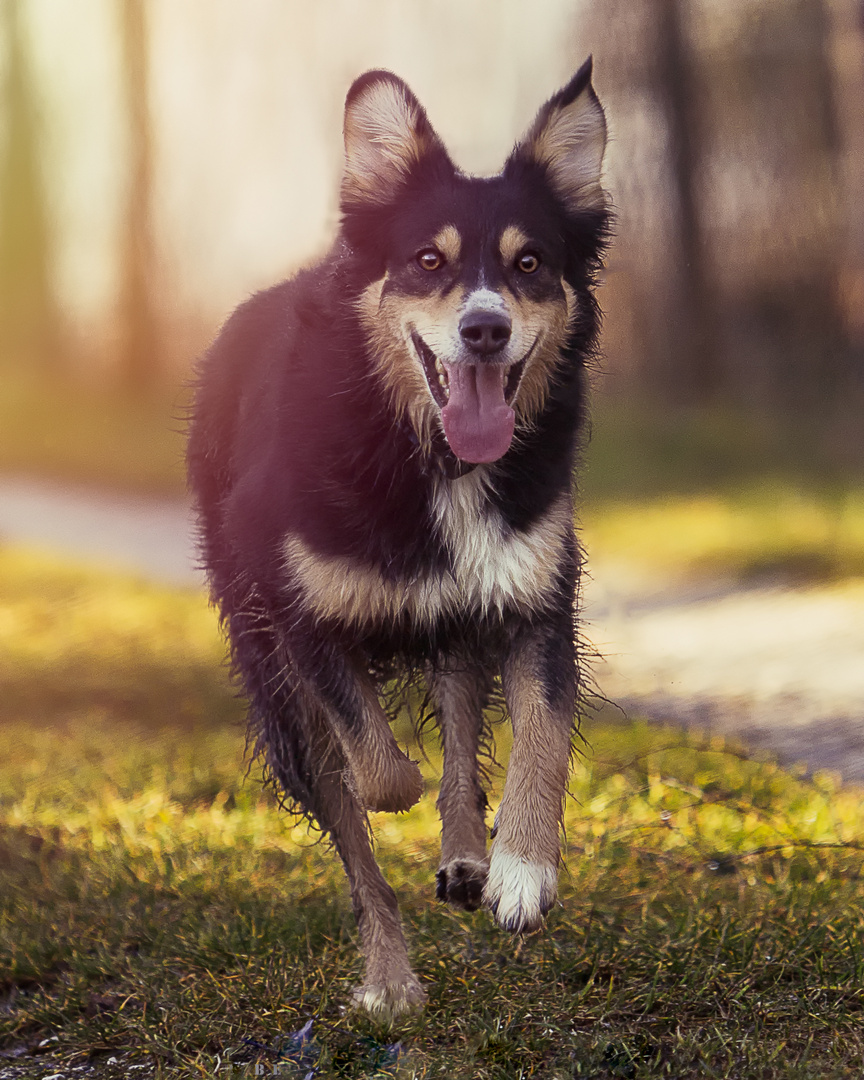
438, 375
475, 402
434, 370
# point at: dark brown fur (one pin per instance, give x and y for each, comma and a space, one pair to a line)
382, 453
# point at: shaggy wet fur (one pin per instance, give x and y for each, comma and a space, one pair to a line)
382, 453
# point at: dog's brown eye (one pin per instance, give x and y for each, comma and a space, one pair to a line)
430, 259
528, 263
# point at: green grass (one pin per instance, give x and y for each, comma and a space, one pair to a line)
772, 531
720, 494
157, 909
644, 449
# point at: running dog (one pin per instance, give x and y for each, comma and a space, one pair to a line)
381, 454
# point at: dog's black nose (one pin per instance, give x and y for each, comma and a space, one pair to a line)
485, 332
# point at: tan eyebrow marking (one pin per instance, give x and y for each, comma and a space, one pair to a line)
449, 242
512, 241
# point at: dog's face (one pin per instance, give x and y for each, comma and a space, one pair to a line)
476, 280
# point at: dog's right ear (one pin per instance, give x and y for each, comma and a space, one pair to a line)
568, 139
386, 134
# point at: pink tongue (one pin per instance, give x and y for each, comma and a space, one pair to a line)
477, 420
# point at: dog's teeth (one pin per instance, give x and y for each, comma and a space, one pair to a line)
443, 381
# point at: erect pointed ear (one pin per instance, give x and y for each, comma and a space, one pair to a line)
386, 134
568, 138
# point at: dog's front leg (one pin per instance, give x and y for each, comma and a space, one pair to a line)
382, 776
461, 692
390, 987
539, 679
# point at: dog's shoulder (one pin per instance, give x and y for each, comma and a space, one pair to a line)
289, 401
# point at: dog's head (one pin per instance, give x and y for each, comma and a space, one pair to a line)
477, 284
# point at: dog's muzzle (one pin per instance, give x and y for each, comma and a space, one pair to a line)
475, 396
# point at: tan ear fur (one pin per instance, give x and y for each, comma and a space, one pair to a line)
386, 132
569, 139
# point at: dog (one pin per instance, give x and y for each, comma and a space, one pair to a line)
381, 454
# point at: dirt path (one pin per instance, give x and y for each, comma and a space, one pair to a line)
127, 532
781, 669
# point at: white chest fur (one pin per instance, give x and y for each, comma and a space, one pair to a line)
493, 566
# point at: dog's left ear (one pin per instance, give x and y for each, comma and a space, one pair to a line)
386, 134
568, 139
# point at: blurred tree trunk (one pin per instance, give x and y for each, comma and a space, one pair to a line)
28, 313
797, 298
832, 388
692, 374
139, 361
821, 378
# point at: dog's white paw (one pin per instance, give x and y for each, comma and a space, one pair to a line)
387, 1000
518, 891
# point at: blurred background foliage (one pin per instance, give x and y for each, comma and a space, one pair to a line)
159, 160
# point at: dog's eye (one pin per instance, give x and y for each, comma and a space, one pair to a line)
430, 259
528, 263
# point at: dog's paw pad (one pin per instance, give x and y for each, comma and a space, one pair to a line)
518, 891
460, 882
